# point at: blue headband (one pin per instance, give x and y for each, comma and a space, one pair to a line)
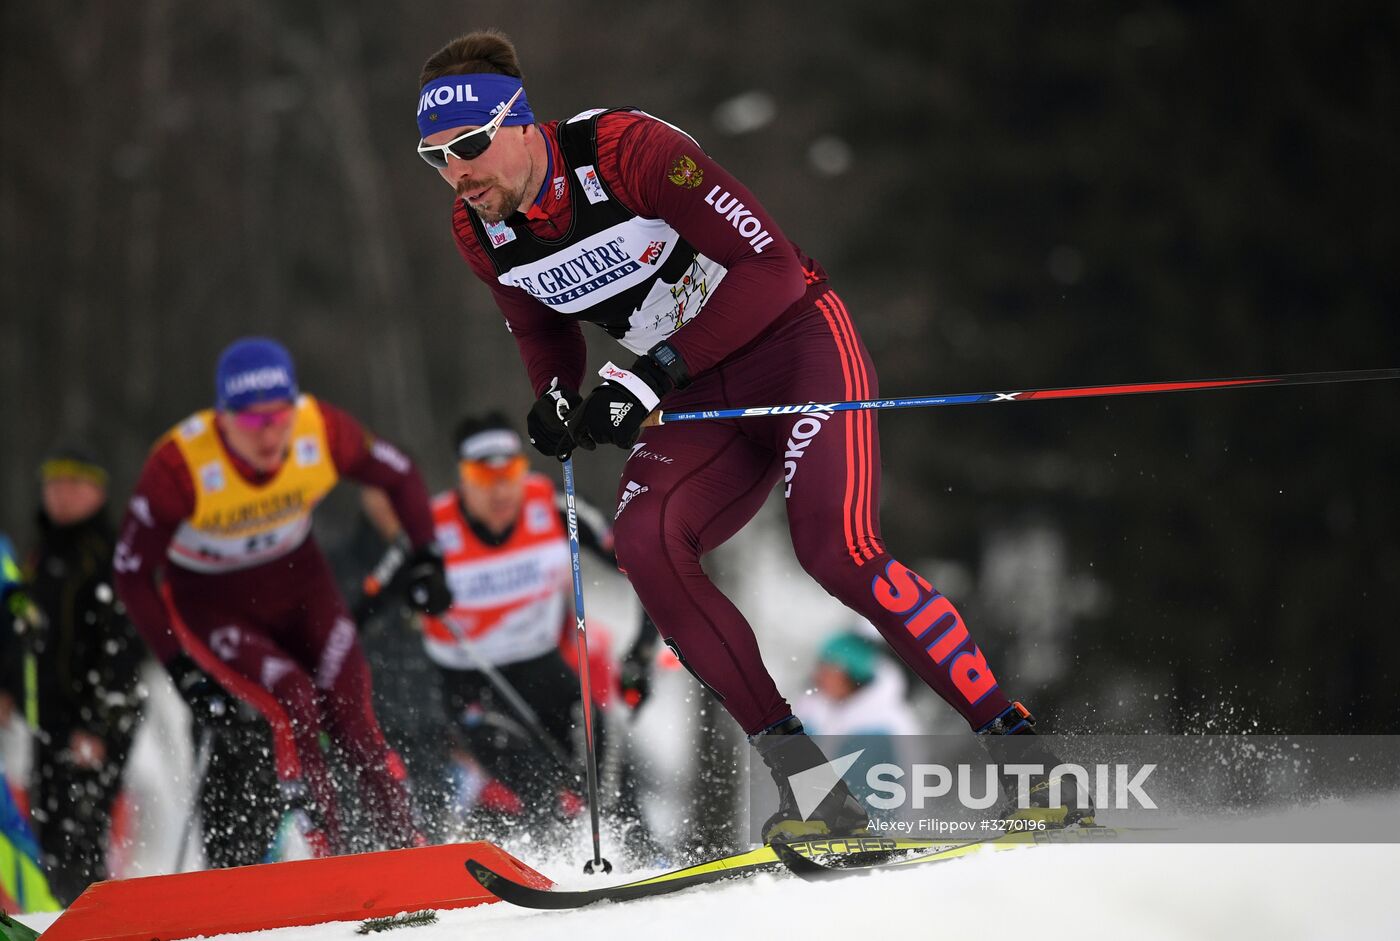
463, 100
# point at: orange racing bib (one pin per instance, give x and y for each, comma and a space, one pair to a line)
508, 601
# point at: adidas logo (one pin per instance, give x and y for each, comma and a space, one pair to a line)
633, 489
619, 412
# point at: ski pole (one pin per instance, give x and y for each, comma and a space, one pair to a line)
511, 696
379, 579
203, 756
585, 686
29, 624
1028, 395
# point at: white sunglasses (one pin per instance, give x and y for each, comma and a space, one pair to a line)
470, 145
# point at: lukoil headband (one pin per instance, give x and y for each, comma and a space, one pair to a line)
469, 100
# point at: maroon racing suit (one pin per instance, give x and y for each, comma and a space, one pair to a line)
276, 634
757, 324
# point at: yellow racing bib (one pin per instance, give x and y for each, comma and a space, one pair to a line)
237, 524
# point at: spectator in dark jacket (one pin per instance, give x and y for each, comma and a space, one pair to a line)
88, 657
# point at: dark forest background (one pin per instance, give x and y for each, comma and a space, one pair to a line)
1008, 196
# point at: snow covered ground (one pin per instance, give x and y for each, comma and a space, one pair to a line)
1140, 891
1072, 892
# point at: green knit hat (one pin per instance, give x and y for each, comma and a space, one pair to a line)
851, 654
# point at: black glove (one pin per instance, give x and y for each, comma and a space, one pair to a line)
634, 674
547, 423
613, 412
205, 697
425, 581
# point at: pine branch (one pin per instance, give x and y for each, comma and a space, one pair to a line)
401, 920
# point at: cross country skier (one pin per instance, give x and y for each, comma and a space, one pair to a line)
223, 506
619, 219
504, 539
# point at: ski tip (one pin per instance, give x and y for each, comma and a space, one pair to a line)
483, 874
509, 890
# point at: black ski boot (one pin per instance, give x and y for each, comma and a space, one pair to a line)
787, 751
1074, 808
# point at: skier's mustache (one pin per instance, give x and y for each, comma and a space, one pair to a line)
463, 187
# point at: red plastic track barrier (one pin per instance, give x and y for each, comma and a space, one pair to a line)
282, 895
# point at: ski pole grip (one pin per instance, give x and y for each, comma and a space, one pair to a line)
384, 571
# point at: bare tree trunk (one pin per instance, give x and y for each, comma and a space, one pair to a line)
76, 310
265, 98
17, 319
395, 364
142, 335
715, 792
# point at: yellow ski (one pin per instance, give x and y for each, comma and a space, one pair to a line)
736, 865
